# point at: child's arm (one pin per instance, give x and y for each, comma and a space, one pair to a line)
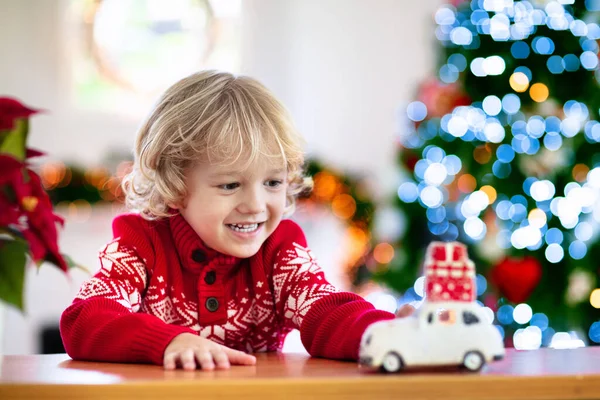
103, 324
331, 323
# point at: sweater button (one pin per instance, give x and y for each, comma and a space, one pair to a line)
198, 256
212, 304
210, 277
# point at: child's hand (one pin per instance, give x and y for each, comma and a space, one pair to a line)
191, 351
405, 311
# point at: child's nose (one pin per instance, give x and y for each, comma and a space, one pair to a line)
252, 203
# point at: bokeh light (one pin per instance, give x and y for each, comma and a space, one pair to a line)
519, 82
539, 92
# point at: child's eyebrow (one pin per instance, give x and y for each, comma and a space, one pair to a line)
224, 174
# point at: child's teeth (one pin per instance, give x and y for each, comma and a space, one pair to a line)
244, 228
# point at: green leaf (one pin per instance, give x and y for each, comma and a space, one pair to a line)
14, 142
72, 264
12, 271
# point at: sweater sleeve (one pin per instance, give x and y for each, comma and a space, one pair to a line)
104, 322
331, 323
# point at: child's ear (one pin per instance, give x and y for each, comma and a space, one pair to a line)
173, 206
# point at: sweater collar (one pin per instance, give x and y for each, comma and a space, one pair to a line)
193, 252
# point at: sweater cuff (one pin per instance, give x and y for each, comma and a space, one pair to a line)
335, 324
152, 339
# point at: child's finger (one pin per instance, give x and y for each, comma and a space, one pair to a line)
239, 357
188, 359
205, 359
221, 359
169, 361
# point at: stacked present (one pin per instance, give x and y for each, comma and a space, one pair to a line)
449, 273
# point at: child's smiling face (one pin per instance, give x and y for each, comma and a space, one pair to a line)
234, 210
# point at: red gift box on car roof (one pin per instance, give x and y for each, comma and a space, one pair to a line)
449, 273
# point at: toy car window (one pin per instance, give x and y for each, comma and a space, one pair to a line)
445, 316
469, 318
430, 317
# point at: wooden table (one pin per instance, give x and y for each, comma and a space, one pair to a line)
541, 374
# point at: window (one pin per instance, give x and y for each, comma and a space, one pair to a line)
469, 318
128, 52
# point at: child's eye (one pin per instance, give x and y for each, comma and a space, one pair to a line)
273, 183
229, 186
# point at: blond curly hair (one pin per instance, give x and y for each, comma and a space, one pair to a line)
215, 116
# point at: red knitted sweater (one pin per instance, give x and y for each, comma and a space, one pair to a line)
158, 279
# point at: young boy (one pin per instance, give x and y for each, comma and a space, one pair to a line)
207, 269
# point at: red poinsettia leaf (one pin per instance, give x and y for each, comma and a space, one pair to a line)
10, 167
37, 249
9, 212
12, 109
33, 153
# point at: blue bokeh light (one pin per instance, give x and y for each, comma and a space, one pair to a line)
571, 62
505, 314
436, 215
527, 184
416, 111
520, 50
511, 103
449, 73
577, 249
408, 192
458, 60
505, 153
501, 170
589, 60
553, 141
594, 332
555, 65
540, 320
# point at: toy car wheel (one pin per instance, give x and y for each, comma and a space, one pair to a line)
473, 361
392, 362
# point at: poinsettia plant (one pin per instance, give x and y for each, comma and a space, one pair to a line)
28, 224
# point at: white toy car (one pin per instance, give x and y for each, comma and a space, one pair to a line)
438, 333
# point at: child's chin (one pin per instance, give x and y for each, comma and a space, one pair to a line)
245, 252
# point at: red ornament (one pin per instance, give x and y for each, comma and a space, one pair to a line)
516, 278
440, 98
449, 273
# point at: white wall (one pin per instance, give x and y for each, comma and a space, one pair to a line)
342, 67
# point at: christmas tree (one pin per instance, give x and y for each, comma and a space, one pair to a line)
501, 153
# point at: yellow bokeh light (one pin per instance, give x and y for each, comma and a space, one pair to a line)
537, 218
52, 173
482, 154
325, 185
490, 192
580, 172
356, 244
539, 92
519, 82
383, 253
595, 298
343, 206
467, 183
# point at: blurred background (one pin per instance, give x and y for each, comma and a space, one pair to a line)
467, 120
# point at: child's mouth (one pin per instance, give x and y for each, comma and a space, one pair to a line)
244, 228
